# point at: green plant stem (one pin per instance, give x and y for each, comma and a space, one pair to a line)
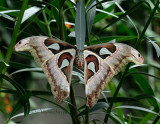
147, 24
87, 115
115, 94
73, 107
47, 23
14, 35
61, 25
156, 119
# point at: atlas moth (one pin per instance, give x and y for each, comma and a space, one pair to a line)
101, 63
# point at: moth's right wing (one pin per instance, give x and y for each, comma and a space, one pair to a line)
58, 70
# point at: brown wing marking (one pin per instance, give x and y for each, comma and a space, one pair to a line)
62, 45
66, 70
96, 49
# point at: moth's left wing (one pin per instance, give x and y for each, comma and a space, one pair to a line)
102, 62
96, 74
58, 70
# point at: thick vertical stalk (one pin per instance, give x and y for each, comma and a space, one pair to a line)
87, 115
73, 107
61, 25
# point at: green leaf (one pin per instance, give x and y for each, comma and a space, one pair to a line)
96, 120
41, 25
157, 48
19, 65
91, 14
130, 119
124, 15
146, 87
34, 92
101, 15
119, 6
119, 111
148, 117
137, 108
27, 104
33, 112
3, 65
143, 73
116, 119
23, 101
59, 106
24, 97
9, 91
119, 99
70, 5
27, 69
30, 12
55, 11
98, 106
24, 55
147, 23
18, 87
7, 17
12, 13
2, 2
80, 27
110, 38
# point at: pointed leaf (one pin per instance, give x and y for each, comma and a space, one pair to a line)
104, 13
98, 106
23, 101
30, 12
80, 27
138, 108
157, 48
27, 69
18, 87
3, 65
91, 14
146, 87
7, 17
33, 112
118, 5
116, 38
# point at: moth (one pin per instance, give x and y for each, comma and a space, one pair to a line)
101, 62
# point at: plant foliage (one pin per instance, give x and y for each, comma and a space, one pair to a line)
134, 93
